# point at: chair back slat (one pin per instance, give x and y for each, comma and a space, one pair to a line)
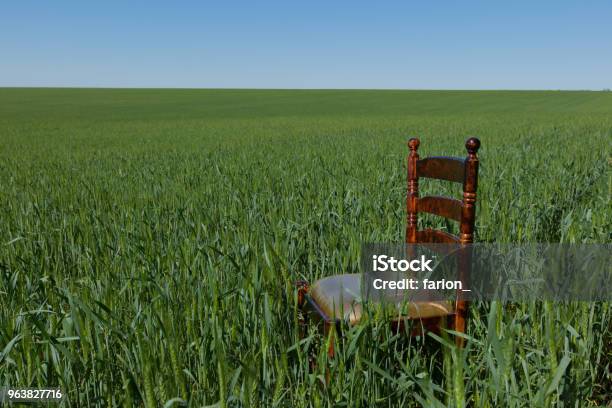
442, 206
442, 168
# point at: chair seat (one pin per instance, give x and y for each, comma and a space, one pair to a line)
340, 297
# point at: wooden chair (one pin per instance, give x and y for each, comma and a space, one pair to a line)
333, 299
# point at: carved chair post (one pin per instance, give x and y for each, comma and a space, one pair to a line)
413, 192
466, 229
468, 214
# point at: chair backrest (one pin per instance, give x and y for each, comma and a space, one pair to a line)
453, 169
457, 170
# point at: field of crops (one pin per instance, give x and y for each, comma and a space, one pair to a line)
149, 240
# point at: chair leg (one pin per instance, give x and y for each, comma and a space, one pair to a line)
330, 332
302, 288
460, 326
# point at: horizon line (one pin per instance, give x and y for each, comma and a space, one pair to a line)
76, 87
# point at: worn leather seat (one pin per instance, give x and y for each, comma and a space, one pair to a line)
341, 297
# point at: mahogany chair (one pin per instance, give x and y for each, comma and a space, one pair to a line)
336, 298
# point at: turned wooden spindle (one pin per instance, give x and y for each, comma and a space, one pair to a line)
413, 191
470, 180
466, 236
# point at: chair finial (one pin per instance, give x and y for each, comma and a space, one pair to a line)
472, 145
413, 144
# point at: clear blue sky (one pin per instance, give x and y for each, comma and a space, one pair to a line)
308, 44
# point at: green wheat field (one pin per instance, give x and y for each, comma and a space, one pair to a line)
149, 241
